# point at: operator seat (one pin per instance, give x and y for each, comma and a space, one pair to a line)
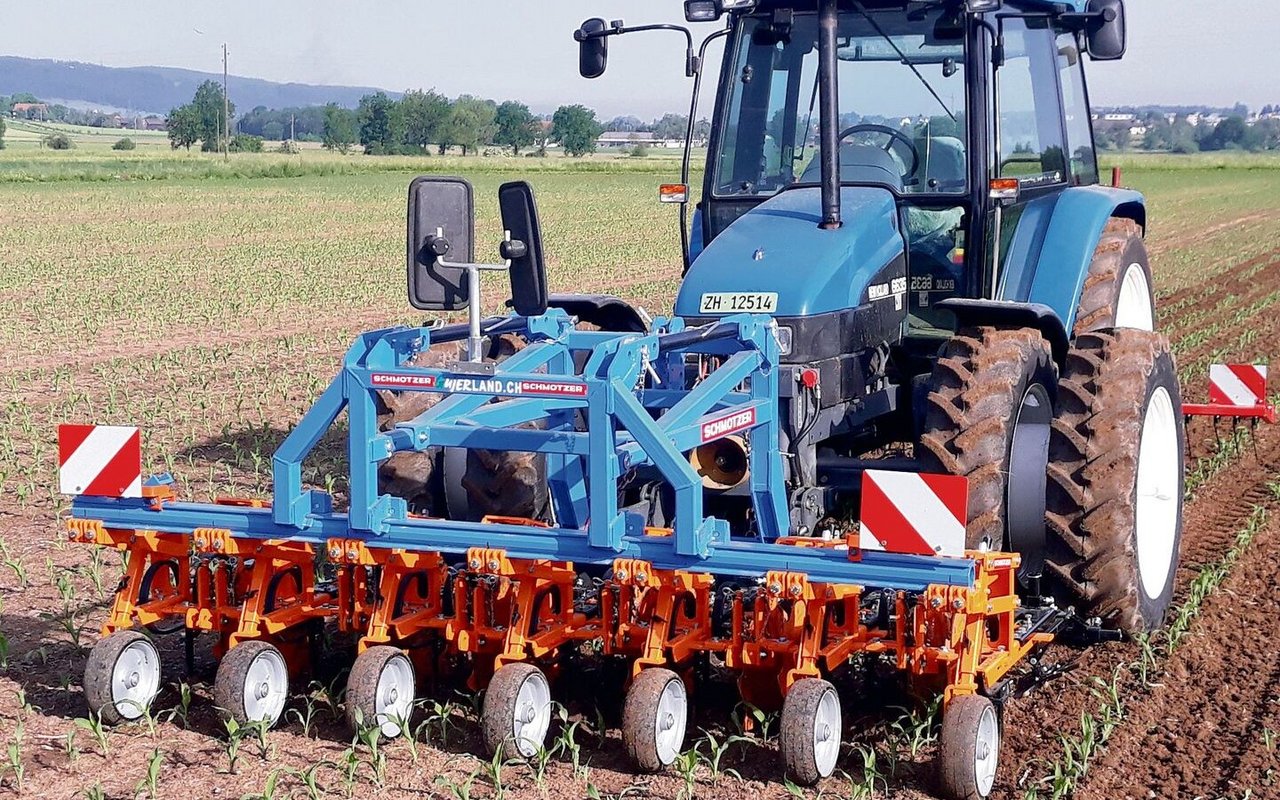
943, 163
860, 163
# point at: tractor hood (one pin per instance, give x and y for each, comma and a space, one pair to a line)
778, 249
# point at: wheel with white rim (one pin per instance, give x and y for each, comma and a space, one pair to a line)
968, 748
1117, 290
654, 719
516, 712
809, 735
252, 684
122, 677
1116, 480
381, 690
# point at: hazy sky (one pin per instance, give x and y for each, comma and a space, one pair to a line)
1180, 51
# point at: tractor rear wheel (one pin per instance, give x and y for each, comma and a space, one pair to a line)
1117, 290
987, 417
461, 484
1116, 480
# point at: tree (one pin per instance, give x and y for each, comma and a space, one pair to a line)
377, 114
625, 124
515, 126
1, 133
576, 129
671, 126
184, 127
1231, 133
124, 144
423, 115
210, 111
471, 124
339, 128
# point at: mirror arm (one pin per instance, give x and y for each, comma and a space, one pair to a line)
475, 338
686, 166
616, 28
1080, 21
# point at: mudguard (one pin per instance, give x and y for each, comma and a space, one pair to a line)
606, 312
1052, 270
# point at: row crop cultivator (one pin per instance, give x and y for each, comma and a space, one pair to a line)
911, 409
512, 594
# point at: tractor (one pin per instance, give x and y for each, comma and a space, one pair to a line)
911, 409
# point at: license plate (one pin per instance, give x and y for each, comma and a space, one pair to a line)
738, 303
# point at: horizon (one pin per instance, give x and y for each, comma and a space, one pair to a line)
644, 80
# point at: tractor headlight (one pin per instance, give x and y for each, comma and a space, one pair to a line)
982, 6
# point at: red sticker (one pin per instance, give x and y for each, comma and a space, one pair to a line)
729, 423
400, 380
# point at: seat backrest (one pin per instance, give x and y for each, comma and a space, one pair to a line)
860, 163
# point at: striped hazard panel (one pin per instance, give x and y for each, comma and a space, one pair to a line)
1243, 385
911, 513
99, 460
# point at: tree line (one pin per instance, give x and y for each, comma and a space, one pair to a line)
1157, 133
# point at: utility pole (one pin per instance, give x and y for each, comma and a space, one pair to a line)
226, 109
293, 118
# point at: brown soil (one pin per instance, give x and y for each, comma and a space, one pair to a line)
1200, 730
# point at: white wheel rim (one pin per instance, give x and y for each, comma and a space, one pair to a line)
986, 752
531, 716
135, 679
1133, 307
266, 687
394, 699
1157, 494
826, 733
668, 728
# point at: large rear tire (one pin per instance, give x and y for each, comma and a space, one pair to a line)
987, 418
1117, 290
1116, 480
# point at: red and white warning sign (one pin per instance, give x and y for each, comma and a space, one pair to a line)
99, 460
1243, 385
912, 513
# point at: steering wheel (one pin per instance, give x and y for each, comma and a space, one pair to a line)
895, 136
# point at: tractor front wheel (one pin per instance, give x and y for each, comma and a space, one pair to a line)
1117, 290
1116, 480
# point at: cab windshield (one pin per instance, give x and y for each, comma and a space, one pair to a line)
901, 99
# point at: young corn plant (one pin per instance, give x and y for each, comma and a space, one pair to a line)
686, 766
457, 789
716, 750
150, 782
100, 732
13, 753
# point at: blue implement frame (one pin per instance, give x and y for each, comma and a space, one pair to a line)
628, 405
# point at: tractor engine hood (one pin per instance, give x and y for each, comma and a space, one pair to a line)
776, 255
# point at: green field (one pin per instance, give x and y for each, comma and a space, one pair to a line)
210, 303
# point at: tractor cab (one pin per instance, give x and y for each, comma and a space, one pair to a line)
968, 118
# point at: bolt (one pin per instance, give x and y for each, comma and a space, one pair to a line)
622, 574
641, 577
957, 604
71, 535
775, 588
217, 544
474, 563
353, 553
936, 602
796, 591
422, 437
335, 552
493, 565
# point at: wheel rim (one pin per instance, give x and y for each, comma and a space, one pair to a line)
668, 728
1025, 489
135, 679
160, 582
826, 733
394, 700
531, 716
986, 752
1157, 494
266, 687
1133, 307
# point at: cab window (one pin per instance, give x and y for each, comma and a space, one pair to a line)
1075, 107
1031, 144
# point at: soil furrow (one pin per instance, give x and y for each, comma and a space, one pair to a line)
1193, 729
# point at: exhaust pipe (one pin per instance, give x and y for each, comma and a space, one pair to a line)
723, 464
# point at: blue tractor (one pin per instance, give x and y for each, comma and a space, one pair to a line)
911, 191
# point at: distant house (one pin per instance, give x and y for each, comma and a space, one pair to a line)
1114, 117
155, 123
618, 139
30, 110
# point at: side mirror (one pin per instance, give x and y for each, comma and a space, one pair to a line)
441, 225
523, 249
593, 47
1106, 30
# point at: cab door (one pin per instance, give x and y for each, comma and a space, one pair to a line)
1029, 145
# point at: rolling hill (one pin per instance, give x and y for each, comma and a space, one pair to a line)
155, 89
